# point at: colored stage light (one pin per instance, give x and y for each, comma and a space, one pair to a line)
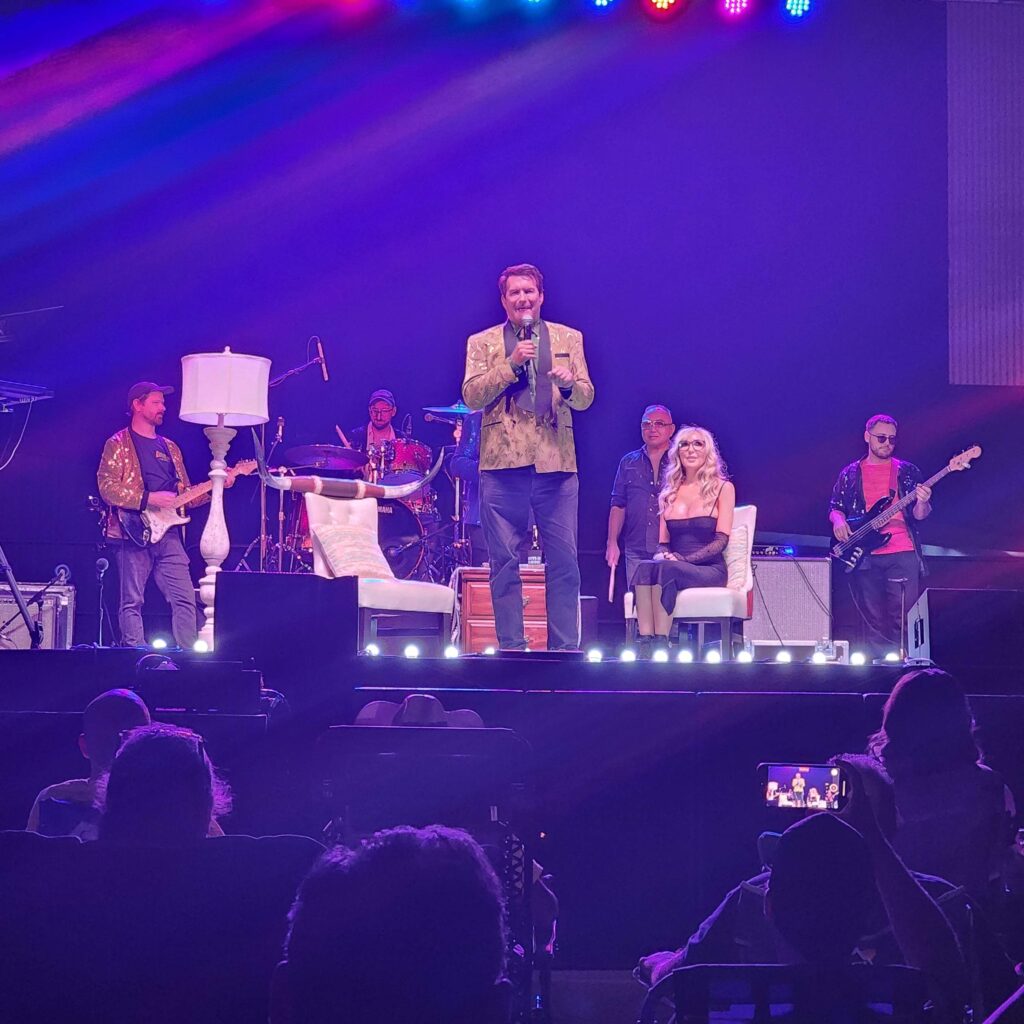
797, 8
664, 10
594, 654
684, 657
159, 644
745, 656
784, 657
200, 646
628, 655
451, 651
734, 8
602, 4
713, 657
372, 650
858, 658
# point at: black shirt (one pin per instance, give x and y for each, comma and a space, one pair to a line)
636, 490
158, 473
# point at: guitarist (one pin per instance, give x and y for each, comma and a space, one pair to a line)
874, 583
140, 469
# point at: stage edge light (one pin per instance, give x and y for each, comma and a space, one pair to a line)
372, 650
627, 655
451, 651
159, 644
858, 658
594, 654
684, 657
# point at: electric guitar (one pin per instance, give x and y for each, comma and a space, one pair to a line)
866, 535
149, 525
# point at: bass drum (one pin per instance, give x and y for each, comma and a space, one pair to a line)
400, 536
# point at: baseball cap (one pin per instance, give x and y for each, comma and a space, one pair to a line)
382, 395
145, 387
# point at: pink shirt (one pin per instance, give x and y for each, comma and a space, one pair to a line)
876, 477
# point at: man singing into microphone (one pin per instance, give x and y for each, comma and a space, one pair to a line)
527, 375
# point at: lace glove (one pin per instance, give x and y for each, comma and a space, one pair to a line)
664, 553
705, 554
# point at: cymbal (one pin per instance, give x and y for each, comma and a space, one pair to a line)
459, 409
325, 456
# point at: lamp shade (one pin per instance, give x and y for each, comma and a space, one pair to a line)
224, 384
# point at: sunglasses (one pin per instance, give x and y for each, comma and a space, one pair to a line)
648, 424
885, 438
696, 443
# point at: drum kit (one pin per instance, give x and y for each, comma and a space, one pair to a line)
416, 540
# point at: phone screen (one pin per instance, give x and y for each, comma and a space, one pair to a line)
809, 787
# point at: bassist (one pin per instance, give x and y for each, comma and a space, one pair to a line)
140, 469
875, 583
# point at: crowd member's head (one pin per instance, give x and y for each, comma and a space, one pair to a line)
105, 718
409, 927
927, 726
821, 888
694, 455
162, 789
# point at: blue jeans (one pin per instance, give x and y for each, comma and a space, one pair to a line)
167, 563
506, 497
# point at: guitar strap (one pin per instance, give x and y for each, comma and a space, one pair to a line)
894, 478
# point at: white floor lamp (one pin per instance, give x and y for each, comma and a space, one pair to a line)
224, 390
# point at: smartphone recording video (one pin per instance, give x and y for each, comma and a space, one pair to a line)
808, 787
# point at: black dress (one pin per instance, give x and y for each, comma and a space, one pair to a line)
686, 537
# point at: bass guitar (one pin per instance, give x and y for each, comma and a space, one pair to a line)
866, 530
149, 525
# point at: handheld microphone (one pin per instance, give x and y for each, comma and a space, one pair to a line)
531, 364
280, 430
320, 358
102, 565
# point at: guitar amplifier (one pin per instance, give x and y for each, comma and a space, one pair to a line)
56, 611
796, 595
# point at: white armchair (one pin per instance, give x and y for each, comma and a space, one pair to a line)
344, 533
729, 606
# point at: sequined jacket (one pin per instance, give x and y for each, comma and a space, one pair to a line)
848, 497
119, 478
509, 436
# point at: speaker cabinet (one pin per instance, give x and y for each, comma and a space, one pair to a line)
55, 610
796, 595
967, 628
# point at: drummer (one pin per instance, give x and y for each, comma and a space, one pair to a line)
379, 429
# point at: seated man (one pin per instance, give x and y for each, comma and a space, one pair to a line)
68, 808
409, 927
162, 790
835, 894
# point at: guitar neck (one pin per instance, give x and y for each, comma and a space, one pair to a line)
197, 491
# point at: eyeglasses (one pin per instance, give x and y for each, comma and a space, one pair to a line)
885, 438
695, 443
648, 424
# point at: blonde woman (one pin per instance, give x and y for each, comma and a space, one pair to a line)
696, 506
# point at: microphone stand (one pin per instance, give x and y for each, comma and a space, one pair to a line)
35, 629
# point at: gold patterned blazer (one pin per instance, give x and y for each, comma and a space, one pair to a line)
509, 436
119, 477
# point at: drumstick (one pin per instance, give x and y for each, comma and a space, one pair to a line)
341, 434
611, 583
